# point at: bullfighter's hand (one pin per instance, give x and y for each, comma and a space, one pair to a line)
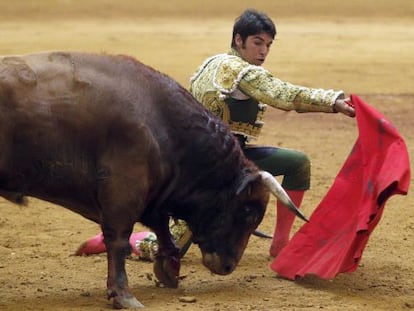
344, 106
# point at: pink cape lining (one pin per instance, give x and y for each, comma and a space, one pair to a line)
335, 237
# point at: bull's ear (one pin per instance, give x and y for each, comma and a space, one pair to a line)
245, 181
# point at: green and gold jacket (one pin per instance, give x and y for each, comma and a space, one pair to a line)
239, 92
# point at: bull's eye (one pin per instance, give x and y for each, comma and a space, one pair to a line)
251, 213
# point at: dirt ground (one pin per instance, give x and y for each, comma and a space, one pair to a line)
363, 47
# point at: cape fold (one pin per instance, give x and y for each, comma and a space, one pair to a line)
335, 237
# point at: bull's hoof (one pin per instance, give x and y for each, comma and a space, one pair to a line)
131, 302
167, 270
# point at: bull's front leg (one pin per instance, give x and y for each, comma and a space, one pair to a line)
167, 259
118, 248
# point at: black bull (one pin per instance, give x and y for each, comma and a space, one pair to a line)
118, 142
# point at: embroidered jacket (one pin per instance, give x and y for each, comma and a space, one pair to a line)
239, 92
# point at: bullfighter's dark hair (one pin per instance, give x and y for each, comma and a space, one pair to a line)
252, 22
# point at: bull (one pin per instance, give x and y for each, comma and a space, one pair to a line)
118, 142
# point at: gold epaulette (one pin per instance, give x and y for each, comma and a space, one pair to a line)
230, 71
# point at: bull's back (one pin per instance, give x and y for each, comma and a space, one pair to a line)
59, 78
59, 112
81, 89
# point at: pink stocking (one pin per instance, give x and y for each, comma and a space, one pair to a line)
284, 222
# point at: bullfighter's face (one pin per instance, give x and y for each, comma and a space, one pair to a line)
254, 48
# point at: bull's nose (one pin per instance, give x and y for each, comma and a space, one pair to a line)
218, 265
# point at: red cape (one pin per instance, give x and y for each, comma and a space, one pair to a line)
335, 237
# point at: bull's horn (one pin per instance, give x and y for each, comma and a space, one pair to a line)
276, 189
